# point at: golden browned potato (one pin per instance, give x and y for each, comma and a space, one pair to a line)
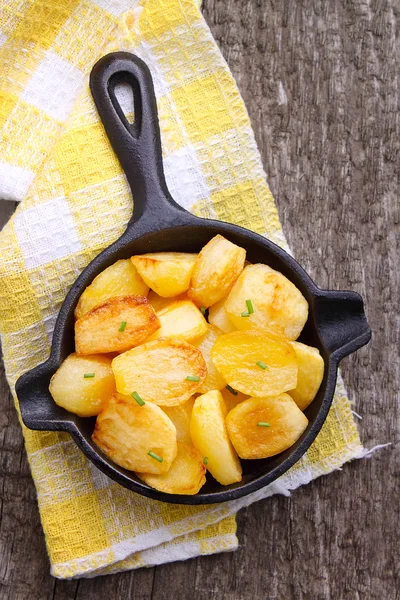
216, 269
276, 303
262, 427
232, 397
166, 371
115, 326
186, 475
167, 273
159, 303
120, 279
181, 320
138, 438
180, 416
310, 375
256, 364
210, 437
83, 384
217, 316
213, 381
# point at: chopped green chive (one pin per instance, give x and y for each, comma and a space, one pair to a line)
88, 375
245, 314
262, 365
138, 399
192, 378
122, 326
231, 390
203, 310
205, 461
155, 456
249, 305
263, 424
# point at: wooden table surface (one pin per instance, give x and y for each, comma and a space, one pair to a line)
320, 81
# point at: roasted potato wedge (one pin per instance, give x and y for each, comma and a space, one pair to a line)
83, 384
120, 279
127, 432
167, 273
210, 437
217, 316
159, 303
180, 416
186, 475
276, 302
213, 381
181, 320
310, 374
115, 326
262, 427
256, 364
232, 398
216, 269
159, 370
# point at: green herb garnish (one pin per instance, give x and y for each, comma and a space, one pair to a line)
155, 456
203, 310
205, 461
231, 390
249, 305
262, 365
245, 314
122, 326
88, 376
192, 378
263, 424
138, 399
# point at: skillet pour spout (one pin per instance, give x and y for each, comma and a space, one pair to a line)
336, 325
342, 323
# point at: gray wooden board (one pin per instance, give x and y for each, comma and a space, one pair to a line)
320, 81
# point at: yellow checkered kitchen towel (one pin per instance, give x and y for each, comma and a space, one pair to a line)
56, 158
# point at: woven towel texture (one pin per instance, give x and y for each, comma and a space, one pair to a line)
56, 158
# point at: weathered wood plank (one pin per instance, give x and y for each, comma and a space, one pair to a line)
6, 210
24, 564
320, 82
137, 585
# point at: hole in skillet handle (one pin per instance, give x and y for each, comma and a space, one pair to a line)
124, 96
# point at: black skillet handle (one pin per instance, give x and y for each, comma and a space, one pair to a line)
138, 144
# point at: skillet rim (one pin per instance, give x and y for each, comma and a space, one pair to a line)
135, 231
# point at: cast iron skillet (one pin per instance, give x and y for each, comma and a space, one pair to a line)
336, 325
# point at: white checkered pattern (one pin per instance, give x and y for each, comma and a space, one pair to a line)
115, 7
185, 179
54, 86
61, 239
14, 181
